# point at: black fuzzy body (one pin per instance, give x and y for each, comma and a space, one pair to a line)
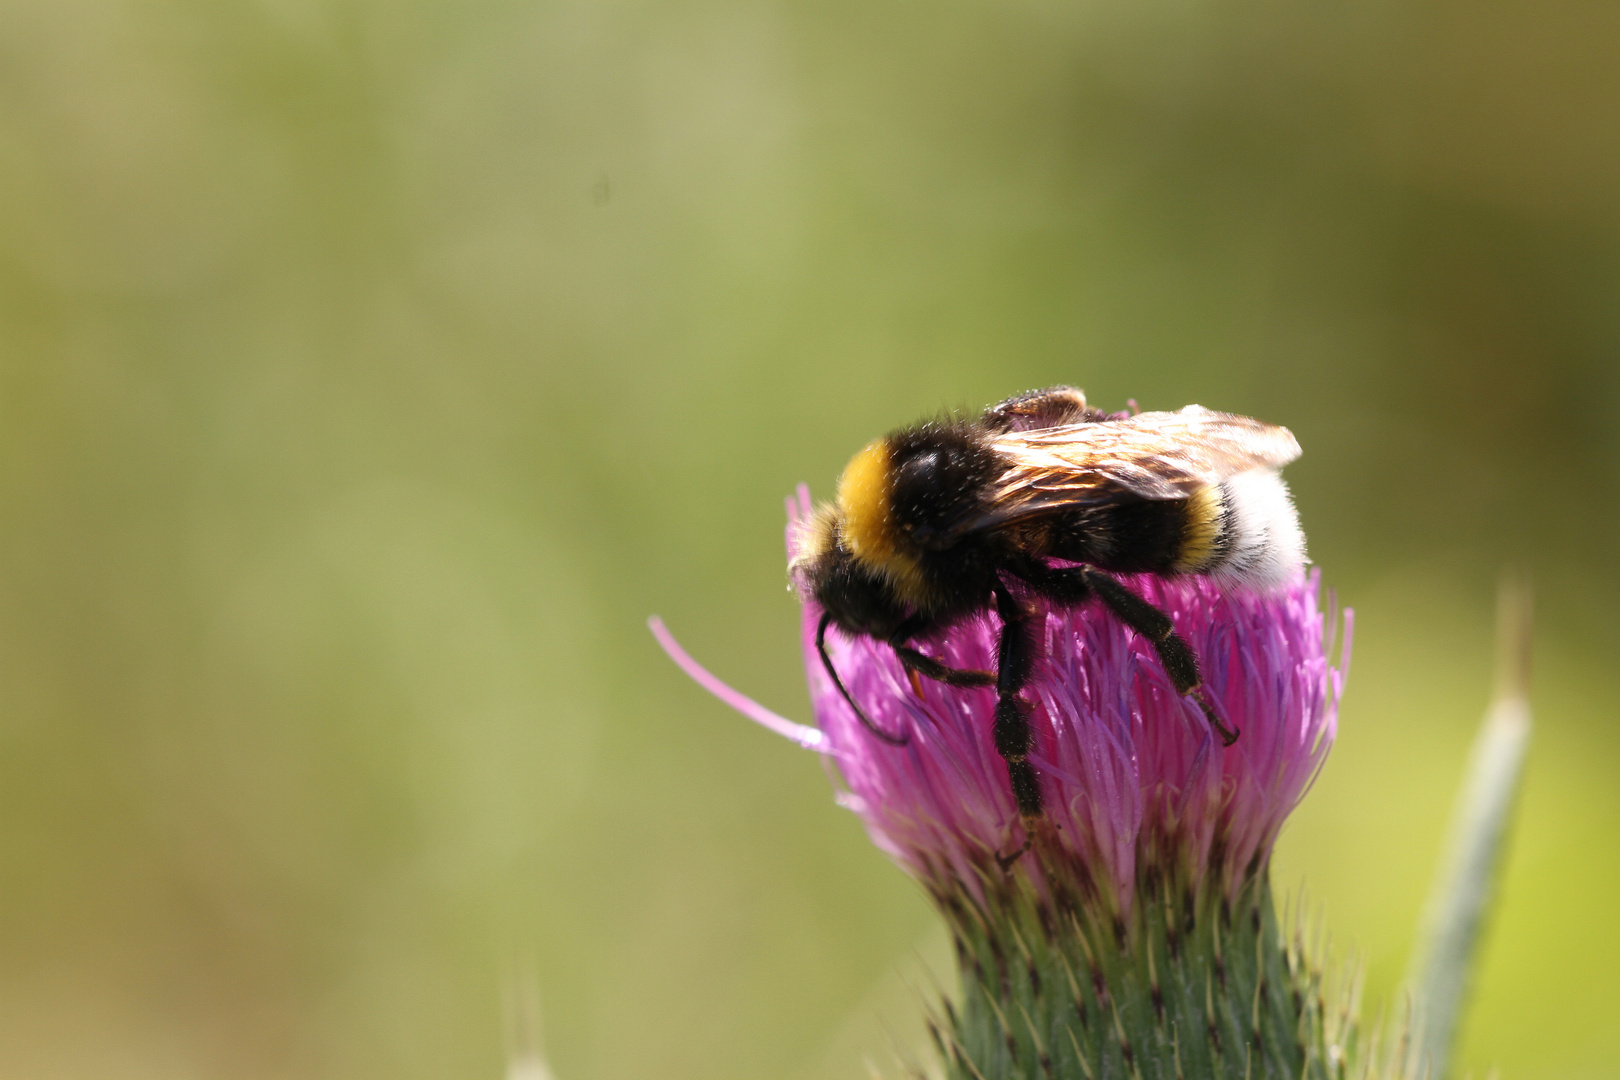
942, 475
934, 567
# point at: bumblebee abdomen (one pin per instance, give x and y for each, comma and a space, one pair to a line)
1261, 544
1127, 536
1243, 530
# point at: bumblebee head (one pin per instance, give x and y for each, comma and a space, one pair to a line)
853, 596
859, 598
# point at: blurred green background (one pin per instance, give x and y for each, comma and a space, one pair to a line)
372, 370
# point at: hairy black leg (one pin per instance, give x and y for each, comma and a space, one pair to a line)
918, 663
927, 665
1180, 662
1012, 733
1062, 585
826, 662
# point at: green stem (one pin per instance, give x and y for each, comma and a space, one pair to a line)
1456, 915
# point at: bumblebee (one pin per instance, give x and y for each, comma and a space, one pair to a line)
1043, 498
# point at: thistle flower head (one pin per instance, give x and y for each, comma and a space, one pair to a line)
1136, 783
1136, 937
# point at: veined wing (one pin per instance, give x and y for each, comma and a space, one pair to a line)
1157, 455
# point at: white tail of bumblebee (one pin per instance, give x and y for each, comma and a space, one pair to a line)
1264, 544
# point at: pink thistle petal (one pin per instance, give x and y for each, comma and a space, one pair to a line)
807, 737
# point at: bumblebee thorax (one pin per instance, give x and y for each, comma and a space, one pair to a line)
864, 503
868, 527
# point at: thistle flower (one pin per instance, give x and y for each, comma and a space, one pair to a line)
1137, 937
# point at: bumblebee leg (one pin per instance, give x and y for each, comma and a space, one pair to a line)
1180, 662
1062, 585
832, 673
1012, 733
917, 663
927, 665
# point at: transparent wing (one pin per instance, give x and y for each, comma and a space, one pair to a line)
1159, 456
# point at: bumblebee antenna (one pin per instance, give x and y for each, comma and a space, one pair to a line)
826, 662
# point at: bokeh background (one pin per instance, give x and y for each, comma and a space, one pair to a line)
370, 371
